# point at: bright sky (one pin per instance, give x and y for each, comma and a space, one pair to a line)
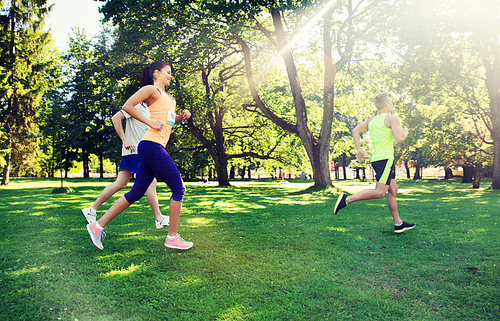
67, 14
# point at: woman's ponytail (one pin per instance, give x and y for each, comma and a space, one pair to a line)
148, 71
146, 78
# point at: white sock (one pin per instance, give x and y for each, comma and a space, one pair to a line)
99, 226
171, 237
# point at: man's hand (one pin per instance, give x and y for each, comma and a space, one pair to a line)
360, 155
128, 145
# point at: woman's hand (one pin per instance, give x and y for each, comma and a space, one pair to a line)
185, 114
157, 125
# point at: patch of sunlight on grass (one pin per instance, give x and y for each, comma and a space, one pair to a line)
337, 229
53, 219
227, 205
358, 237
26, 271
36, 213
50, 230
132, 268
132, 233
206, 204
480, 230
233, 313
201, 221
121, 255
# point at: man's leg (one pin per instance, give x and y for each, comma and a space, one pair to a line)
153, 200
144, 177
392, 202
120, 183
160, 220
368, 194
399, 225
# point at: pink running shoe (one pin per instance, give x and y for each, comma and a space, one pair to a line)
95, 235
178, 243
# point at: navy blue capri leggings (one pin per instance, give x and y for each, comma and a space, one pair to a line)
155, 161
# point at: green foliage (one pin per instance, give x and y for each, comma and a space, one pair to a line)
29, 68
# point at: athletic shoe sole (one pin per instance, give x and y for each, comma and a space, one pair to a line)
171, 246
92, 236
404, 229
339, 199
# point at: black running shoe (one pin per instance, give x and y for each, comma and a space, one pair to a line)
403, 227
340, 203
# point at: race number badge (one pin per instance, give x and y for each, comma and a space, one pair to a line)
171, 118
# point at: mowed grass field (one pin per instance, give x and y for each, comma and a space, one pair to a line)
263, 250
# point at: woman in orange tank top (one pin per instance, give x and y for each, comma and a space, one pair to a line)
155, 161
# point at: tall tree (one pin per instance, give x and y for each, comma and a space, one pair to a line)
462, 37
206, 69
342, 24
88, 100
28, 69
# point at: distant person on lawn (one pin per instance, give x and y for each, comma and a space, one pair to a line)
383, 129
134, 132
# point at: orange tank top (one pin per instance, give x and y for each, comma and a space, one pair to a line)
162, 110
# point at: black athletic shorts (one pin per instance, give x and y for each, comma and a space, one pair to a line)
384, 171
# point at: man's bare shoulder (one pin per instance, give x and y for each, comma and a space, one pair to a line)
391, 120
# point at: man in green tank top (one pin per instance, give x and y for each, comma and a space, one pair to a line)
383, 129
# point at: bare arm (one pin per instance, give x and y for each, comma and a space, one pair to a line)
398, 132
145, 93
117, 123
185, 115
356, 135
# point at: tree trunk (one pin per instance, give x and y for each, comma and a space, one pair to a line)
66, 162
477, 178
6, 169
242, 172
408, 175
232, 172
101, 166
495, 177
317, 149
492, 79
448, 173
417, 173
468, 174
221, 169
249, 173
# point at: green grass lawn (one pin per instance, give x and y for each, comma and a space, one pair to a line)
263, 251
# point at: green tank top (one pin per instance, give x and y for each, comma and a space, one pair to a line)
382, 139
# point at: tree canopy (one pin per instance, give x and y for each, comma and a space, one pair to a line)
270, 84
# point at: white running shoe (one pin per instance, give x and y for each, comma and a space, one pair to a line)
164, 221
96, 235
90, 214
